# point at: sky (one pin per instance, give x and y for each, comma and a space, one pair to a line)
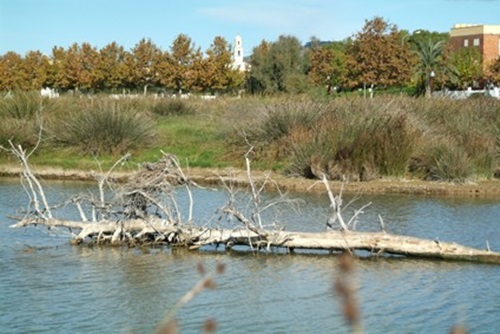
39, 25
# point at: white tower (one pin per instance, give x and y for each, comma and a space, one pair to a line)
238, 62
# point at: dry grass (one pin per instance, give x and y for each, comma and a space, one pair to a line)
353, 138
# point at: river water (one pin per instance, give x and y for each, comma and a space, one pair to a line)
49, 286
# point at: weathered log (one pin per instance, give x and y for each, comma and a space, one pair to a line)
147, 190
377, 243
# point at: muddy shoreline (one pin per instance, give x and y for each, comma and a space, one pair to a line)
212, 176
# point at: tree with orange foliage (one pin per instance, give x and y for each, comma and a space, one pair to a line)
75, 68
180, 68
56, 76
90, 74
493, 72
11, 65
35, 70
114, 67
71, 67
378, 55
218, 74
144, 64
327, 64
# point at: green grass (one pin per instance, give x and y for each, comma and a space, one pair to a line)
195, 140
441, 140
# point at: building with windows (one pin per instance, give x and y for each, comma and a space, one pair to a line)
484, 37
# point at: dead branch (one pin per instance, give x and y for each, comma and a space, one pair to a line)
376, 243
255, 193
206, 282
103, 178
34, 189
144, 210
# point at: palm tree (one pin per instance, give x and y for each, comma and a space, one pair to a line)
430, 59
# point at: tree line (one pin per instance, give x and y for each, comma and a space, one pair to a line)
380, 55
113, 69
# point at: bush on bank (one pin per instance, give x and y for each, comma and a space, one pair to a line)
353, 138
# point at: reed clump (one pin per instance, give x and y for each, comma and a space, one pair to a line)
104, 126
340, 138
343, 137
22, 105
20, 115
363, 139
171, 107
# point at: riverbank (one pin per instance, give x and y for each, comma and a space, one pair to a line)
438, 139
214, 176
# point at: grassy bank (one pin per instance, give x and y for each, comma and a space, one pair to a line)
343, 138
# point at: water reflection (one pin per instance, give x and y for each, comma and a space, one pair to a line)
60, 288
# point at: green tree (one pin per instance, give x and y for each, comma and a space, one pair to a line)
379, 56
257, 80
430, 63
469, 67
422, 35
279, 67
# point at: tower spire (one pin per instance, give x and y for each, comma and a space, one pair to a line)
238, 59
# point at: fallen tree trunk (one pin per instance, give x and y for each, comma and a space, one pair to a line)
193, 237
145, 210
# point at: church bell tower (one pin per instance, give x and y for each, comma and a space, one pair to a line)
238, 61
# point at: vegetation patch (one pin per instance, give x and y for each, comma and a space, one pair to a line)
343, 138
105, 127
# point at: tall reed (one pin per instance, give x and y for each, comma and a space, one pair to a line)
105, 126
21, 115
367, 138
346, 137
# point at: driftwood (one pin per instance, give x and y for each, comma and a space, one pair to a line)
145, 211
195, 237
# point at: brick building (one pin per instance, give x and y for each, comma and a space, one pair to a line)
485, 37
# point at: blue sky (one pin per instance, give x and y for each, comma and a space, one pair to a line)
41, 24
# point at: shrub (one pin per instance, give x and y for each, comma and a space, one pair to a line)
276, 121
20, 117
450, 162
468, 124
357, 140
105, 127
364, 138
22, 132
171, 107
309, 150
387, 143
22, 105
481, 150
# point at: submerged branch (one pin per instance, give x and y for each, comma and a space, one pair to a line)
376, 243
145, 210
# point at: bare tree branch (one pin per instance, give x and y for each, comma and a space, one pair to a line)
145, 210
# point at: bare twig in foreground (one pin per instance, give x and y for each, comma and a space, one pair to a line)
168, 324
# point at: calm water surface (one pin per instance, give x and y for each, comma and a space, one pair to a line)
59, 288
